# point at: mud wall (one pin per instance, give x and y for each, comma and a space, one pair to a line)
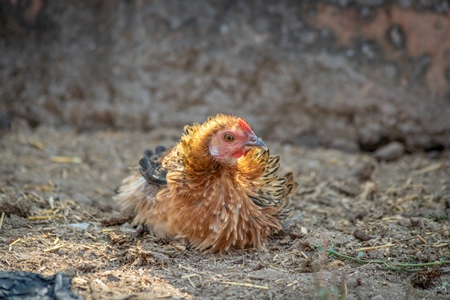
346, 74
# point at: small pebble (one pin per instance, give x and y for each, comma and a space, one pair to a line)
389, 152
80, 226
82, 199
363, 170
127, 228
71, 272
265, 274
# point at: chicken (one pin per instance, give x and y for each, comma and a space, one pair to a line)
217, 189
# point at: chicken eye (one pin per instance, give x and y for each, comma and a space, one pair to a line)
228, 137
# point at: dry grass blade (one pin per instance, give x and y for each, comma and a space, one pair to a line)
41, 188
428, 169
40, 218
10, 245
190, 269
188, 277
16, 241
90, 236
246, 285
441, 245
375, 247
37, 145
1, 220
344, 288
421, 239
66, 159
54, 248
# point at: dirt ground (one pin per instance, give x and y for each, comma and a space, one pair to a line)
370, 230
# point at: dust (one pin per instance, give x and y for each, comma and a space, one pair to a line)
371, 229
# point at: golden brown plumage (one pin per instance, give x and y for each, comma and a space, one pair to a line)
218, 188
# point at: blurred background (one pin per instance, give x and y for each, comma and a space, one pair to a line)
354, 75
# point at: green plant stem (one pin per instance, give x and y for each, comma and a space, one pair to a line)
396, 266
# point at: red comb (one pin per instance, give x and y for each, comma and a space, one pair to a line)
244, 126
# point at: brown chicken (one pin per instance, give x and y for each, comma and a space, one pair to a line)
217, 188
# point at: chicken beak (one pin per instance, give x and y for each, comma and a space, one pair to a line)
256, 142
